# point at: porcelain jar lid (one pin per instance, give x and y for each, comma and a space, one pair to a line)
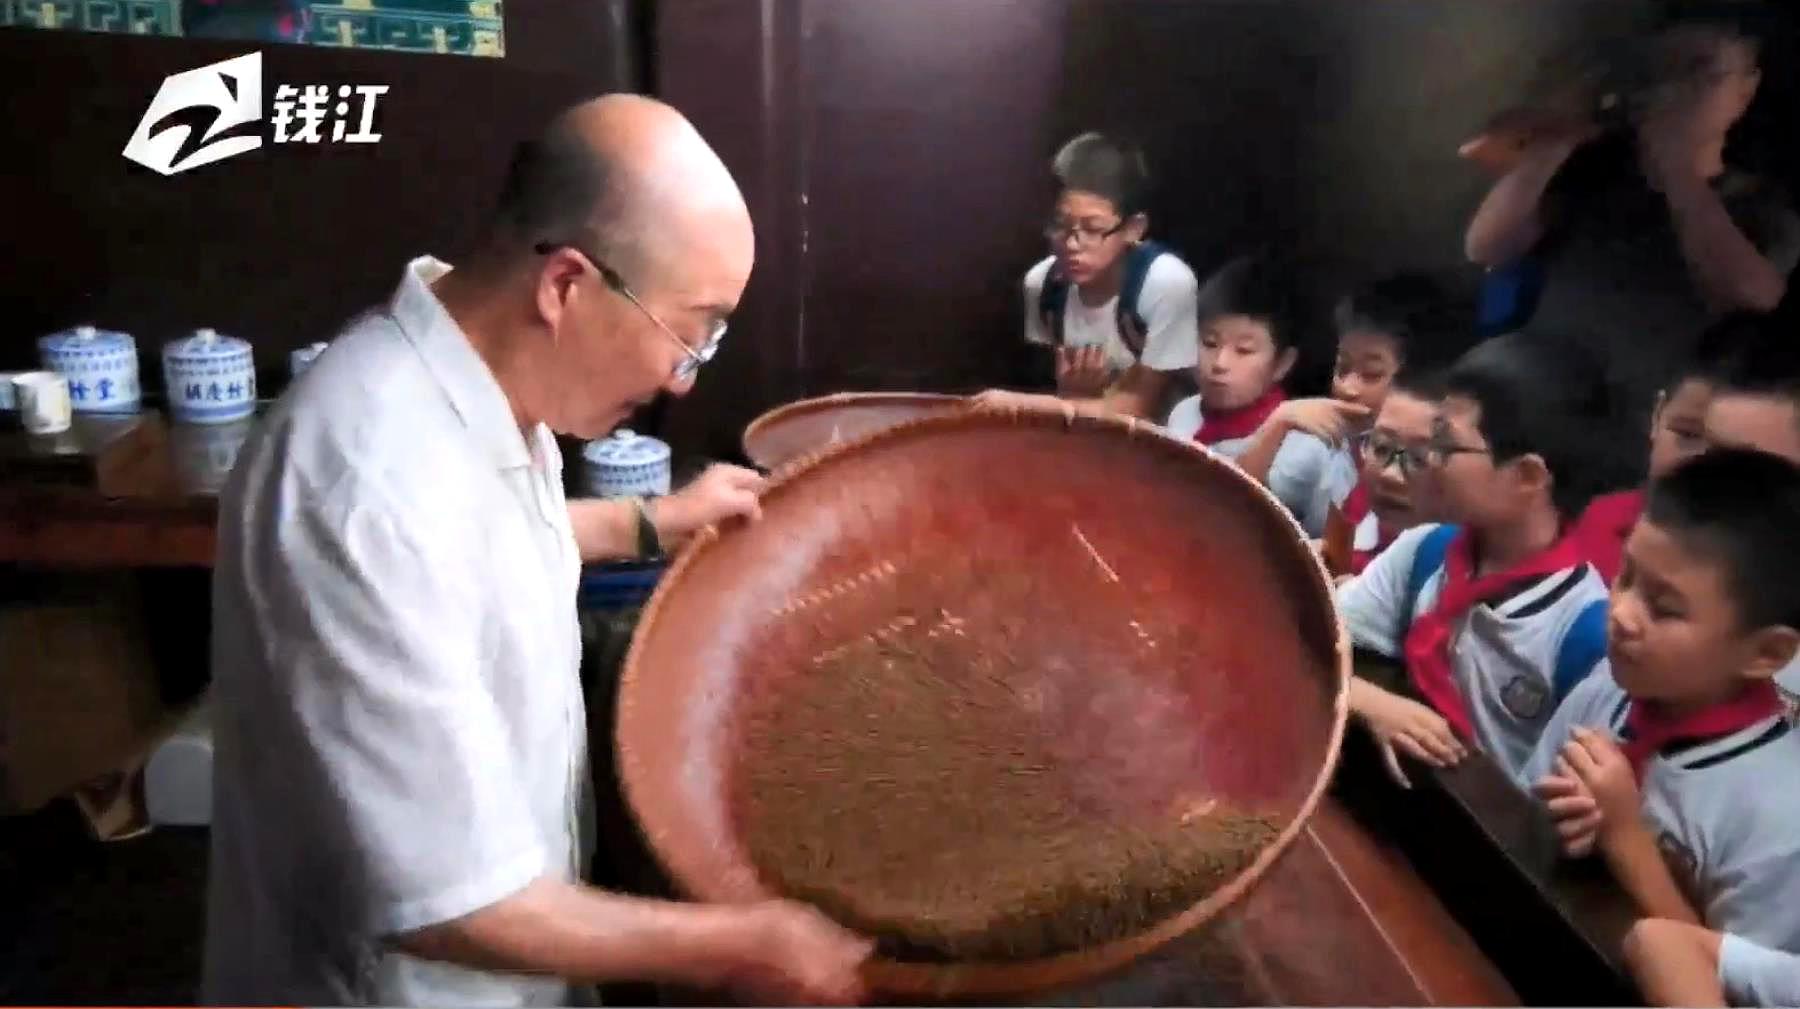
625, 448
206, 346
83, 339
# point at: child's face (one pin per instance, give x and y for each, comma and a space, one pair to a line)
1366, 363
1762, 423
1238, 362
1089, 236
1395, 456
1674, 632
1678, 427
1464, 482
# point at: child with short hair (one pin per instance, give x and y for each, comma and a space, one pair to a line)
1496, 615
1677, 433
1677, 762
1117, 310
1756, 405
1679, 964
1393, 338
1388, 498
1250, 340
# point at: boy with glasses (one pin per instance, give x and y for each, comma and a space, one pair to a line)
1496, 615
1393, 453
1117, 311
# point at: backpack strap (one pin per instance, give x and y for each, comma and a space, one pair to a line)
1051, 301
1426, 561
1581, 650
1134, 329
1508, 296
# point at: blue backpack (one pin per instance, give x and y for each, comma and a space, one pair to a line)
1133, 330
1582, 647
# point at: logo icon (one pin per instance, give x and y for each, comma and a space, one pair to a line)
1525, 696
201, 116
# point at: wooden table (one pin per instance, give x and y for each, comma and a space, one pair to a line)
1341, 920
1488, 851
145, 510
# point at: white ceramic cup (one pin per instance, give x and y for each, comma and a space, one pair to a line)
7, 401
43, 401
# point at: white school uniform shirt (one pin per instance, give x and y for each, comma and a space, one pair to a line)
1169, 304
1367, 535
1308, 475
1754, 975
1726, 812
400, 737
1503, 652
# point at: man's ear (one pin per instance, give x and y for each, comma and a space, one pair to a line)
1284, 363
1771, 650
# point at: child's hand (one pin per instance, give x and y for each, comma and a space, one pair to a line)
1002, 400
1407, 726
1329, 420
1572, 808
1602, 769
1082, 371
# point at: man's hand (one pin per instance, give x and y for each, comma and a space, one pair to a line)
1082, 371
719, 493
783, 953
1572, 808
1330, 420
1601, 768
1407, 726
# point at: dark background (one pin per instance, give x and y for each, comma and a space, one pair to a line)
893, 153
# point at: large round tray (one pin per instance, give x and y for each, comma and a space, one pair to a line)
789, 432
1190, 538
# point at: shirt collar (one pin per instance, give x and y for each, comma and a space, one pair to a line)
465, 378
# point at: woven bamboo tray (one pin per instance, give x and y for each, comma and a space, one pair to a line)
809, 425
1162, 543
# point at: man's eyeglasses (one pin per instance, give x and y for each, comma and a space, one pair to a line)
1086, 235
694, 359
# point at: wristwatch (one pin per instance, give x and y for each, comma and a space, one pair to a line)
649, 544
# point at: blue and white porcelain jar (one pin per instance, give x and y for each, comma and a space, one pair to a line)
626, 464
211, 378
302, 359
101, 366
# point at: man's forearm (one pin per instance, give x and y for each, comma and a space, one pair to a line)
1727, 267
1509, 222
604, 529
588, 936
1637, 863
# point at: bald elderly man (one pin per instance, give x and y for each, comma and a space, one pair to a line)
401, 809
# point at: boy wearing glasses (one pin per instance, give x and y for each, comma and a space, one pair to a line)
1117, 311
1496, 614
1393, 453
1387, 334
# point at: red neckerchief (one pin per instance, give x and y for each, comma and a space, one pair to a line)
1229, 425
1603, 527
1428, 640
1650, 729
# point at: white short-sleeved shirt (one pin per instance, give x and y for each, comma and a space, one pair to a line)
1754, 975
400, 737
1503, 652
1169, 304
1308, 475
1726, 812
